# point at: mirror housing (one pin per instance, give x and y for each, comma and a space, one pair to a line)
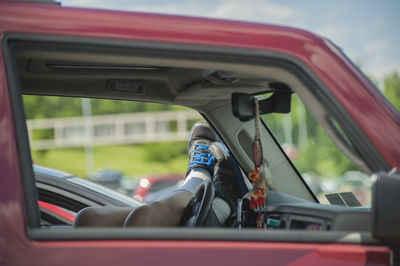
386, 207
243, 106
279, 102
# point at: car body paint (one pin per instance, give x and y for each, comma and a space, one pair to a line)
324, 60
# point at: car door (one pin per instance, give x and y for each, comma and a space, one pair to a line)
158, 38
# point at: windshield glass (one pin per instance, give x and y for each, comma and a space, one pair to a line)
322, 165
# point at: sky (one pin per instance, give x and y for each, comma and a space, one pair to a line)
367, 30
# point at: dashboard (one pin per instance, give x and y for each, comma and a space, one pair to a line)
292, 213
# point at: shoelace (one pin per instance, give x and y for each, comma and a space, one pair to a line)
202, 158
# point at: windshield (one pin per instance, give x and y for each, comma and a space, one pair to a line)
325, 169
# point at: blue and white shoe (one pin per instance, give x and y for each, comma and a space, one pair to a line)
207, 151
200, 139
228, 178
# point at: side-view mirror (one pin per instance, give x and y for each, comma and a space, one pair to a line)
386, 207
279, 102
386, 212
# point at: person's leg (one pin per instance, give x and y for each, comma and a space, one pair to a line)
169, 210
102, 216
205, 151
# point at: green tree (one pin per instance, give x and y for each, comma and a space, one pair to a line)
391, 89
37, 106
317, 153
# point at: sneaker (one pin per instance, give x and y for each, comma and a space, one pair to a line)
228, 178
200, 139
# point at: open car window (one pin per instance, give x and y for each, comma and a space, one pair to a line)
104, 152
115, 141
114, 113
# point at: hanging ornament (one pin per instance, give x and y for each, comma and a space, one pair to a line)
259, 175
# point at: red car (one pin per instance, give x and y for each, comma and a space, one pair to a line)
150, 187
200, 63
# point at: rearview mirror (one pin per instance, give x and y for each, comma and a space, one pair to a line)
280, 102
243, 106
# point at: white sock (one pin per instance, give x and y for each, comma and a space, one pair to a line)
194, 179
192, 182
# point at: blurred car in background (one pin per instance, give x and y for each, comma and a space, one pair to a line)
108, 178
114, 180
149, 187
62, 195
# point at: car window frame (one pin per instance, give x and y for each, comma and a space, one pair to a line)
256, 57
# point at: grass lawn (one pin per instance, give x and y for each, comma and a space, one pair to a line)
131, 160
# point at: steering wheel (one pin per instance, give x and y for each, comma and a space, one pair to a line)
196, 213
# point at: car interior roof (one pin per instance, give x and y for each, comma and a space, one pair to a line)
83, 73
